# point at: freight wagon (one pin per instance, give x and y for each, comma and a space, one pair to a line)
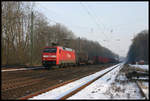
100, 60
82, 58
103, 60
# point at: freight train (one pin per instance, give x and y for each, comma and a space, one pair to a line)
103, 60
62, 56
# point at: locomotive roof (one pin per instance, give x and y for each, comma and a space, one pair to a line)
64, 48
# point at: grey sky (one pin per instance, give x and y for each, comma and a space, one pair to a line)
105, 22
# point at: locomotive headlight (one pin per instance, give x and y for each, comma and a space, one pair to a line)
53, 56
45, 56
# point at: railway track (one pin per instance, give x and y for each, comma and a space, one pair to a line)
71, 92
22, 68
141, 87
21, 83
26, 80
83, 86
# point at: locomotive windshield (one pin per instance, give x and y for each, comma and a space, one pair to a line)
50, 50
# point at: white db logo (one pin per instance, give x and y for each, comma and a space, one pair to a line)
68, 55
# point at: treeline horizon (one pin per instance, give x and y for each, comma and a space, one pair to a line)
139, 49
17, 40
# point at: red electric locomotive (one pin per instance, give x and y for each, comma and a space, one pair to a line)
58, 56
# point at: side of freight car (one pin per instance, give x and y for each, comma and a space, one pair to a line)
82, 58
102, 60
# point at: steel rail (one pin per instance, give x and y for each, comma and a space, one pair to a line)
64, 83
18, 68
50, 88
47, 89
141, 90
83, 86
30, 68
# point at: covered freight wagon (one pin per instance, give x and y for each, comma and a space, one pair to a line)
100, 59
82, 58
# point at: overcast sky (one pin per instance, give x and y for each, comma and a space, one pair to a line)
112, 24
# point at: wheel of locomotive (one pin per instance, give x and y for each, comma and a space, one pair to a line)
61, 66
49, 67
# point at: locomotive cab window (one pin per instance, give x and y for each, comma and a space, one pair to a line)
50, 50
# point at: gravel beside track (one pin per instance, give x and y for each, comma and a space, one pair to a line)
21, 83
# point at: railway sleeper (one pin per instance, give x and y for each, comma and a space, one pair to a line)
132, 74
22, 84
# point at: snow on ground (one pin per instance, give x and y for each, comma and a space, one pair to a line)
110, 86
146, 67
98, 89
113, 85
60, 91
145, 84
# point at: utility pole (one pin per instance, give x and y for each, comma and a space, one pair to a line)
79, 45
31, 38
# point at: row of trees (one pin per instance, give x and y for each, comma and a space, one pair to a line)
139, 48
17, 40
